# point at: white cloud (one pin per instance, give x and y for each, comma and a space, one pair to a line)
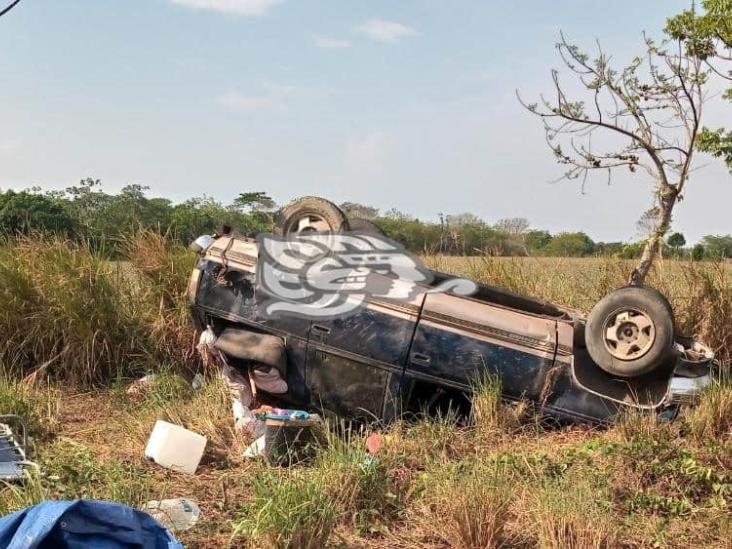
235, 101
274, 96
241, 7
328, 43
384, 31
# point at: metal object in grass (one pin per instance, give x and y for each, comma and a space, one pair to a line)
13, 461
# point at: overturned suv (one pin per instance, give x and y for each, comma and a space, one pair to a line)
393, 356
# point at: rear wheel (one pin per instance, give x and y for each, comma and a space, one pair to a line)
630, 332
310, 214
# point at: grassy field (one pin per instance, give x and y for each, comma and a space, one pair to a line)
78, 329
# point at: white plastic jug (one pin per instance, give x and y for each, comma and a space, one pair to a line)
174, 447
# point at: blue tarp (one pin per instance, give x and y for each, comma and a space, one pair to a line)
83, 524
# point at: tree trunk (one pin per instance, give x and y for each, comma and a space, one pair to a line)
653, 244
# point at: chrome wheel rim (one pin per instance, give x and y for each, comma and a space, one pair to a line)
308, 223
629, 334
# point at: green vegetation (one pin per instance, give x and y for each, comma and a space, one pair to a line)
707, 32
106, 223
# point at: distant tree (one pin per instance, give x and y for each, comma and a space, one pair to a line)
708, 35
676, 241
257, 201
610, 249
463, 219
537, 240
570, 245
360, 211
24, 212
698, 252
717, 246
645, 115
632, 250
514, 226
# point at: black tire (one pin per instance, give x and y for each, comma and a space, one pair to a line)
365, 226
641, 321
288, 218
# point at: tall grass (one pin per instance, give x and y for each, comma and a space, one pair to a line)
712, 417
69, 313
161, 267
356, 482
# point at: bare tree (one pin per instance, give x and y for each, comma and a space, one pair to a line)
647, 116
514, 226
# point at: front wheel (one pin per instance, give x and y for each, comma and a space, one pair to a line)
630, 332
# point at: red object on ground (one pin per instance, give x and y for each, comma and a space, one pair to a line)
373, 443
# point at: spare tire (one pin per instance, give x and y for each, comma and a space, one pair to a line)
365, 226
310, 213
630, 332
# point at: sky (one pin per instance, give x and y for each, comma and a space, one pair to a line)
408, 105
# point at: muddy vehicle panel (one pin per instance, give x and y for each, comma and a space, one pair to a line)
392, 356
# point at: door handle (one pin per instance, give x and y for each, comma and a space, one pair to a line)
419, 358
321, 329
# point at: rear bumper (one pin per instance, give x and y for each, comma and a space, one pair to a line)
693, 373
687, 390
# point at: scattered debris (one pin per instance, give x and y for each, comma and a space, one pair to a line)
177, 515
13, 461
198, 382
256, 448
291, 438
175, 447
138, 388
373, 443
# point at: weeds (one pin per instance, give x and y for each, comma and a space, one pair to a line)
356, 482
572, 512
712, 417
466, 506
488, 413
287, 513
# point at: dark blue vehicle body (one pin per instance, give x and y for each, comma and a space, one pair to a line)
376, 362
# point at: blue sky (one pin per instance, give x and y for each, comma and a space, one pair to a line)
407, 104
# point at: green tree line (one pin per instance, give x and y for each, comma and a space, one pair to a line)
86, 211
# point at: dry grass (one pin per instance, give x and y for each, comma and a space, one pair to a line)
465, 506
498, 481
68, 313
572, 512
712, 418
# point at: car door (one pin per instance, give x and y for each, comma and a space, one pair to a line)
355, 363
230, 293
458, 338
